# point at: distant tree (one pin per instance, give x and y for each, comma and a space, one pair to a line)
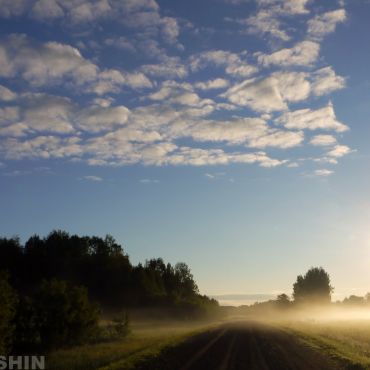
283, 301
8, 306
354, 300
314, 287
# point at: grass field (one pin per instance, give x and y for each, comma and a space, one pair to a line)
145, 340
347, 342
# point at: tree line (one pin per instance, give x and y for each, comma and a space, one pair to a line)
53, 289
311, 291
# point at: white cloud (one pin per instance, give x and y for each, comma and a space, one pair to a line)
202, 157
41, 147
170, 29
293, 86
325, 23
292, 165
47, 9
304, 53
80, 11
55, 63
286, 7
149, 181
260, 95
121, 42
88, 11
323, 172
95, 119
48, 113
236, 131
218, 83
271, 93
320, 119
130, 144
6, 94
278, 139
14, 130
55, 114
253, 132
325, 81
10, 8
182, 94
234, 64
8, 114
93, 178
103, 102
266, 22
323, 140
169, 67
113, 80
99, 130
43, 63
339, 151
214, 175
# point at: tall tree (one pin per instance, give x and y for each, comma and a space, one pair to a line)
314, 287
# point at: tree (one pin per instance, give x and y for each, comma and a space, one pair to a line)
64, 314
8, 306
354, 300
367, 298
283, 301
313, 287
11, 259
186, 283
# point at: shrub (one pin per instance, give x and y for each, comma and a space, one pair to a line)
64, 314
8, 305
121, 324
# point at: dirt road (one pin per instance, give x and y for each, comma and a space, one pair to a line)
241, 346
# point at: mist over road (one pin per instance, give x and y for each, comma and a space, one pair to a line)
247, 346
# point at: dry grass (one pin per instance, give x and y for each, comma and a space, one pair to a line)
146, 339
348, 342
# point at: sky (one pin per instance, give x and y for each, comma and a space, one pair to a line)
232, 135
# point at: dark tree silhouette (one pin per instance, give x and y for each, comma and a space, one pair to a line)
49, 276
314, 287
283, 301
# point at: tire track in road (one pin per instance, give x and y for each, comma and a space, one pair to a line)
228, 360
241, 346
203, 351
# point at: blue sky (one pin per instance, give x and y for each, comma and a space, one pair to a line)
229, 134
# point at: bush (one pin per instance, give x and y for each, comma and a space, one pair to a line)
64, 314
121, 324
27, 337
8, 306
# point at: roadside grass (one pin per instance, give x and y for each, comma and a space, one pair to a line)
346, 342
145, 340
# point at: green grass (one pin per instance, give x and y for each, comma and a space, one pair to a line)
347, 342
146, 340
